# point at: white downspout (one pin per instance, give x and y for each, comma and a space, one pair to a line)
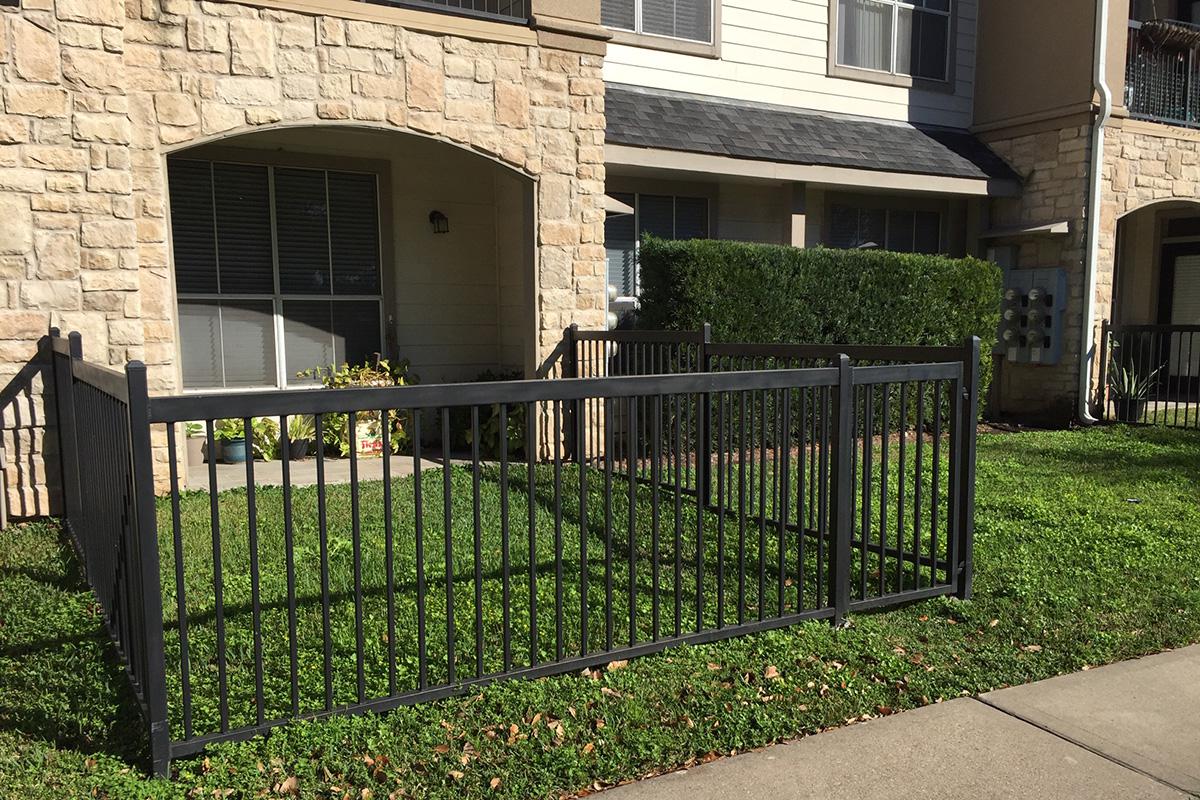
1100, 80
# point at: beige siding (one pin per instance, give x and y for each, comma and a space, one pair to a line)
776, 51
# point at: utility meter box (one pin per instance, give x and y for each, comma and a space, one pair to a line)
1031, 315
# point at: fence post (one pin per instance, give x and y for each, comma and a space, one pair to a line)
1105, 332
153, 679
966, 498
703, 456
843, 488
570, 370
68, 445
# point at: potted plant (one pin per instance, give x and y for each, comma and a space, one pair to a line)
265, 441
368, 425
1129, 389
194, 431
232, 436
301, 432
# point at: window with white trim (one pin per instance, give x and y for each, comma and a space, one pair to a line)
899, 230
277, 270
900, 37
664, 216
691, 20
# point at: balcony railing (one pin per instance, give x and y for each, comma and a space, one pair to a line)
1162, 73
499, 10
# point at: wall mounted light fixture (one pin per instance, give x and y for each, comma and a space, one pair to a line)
439, 221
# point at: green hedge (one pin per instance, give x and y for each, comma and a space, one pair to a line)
771, 293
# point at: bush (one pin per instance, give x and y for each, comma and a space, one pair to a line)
771, 293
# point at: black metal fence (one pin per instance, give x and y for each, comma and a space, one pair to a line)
519, 529
1162, 77
108, 513
1150, 374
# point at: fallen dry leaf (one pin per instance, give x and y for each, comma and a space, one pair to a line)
494, 783
615, 665
458, 776
289, 786
771, 673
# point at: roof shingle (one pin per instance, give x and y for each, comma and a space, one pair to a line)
654, 118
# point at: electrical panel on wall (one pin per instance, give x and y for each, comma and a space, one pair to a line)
1032, 314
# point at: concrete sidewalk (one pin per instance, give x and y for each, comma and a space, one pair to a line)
1130, 730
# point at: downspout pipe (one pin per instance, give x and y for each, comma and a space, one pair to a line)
1087, 352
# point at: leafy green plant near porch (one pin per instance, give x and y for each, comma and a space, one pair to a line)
489, 422
377, 373
1129, 385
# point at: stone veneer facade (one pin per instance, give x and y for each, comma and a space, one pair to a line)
1144, 163
1054, 166
96, 92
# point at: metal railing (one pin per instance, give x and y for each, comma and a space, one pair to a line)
1150, 374
108, 514
499, 10
516, 529
1162, 79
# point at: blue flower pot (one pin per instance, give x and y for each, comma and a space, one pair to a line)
233, 451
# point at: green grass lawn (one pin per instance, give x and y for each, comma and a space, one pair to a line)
1087, 551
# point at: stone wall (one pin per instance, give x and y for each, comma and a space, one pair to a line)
1054, 165
96, 92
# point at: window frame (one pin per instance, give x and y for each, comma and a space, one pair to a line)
888, 209
637, 242
379, 170
655, 41
835, 69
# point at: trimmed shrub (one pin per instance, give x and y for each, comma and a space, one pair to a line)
773, 293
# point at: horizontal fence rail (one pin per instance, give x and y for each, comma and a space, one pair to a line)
517, 529
1150, 374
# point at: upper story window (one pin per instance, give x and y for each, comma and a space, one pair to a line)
689, 20
898, 37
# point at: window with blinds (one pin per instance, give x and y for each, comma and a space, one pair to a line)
901, 230
277, 270
901, 37
664, 216
677, 19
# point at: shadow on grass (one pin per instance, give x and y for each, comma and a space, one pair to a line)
61, 680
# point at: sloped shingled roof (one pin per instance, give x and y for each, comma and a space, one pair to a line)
654, 118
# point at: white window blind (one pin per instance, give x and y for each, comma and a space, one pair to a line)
1185, 310
277, 270
677, 19
902, 37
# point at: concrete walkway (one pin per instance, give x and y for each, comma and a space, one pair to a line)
1131, 730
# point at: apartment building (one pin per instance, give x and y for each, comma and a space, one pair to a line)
1057, 139
234, 191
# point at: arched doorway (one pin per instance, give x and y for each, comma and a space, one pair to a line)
1154, 350
295, 248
